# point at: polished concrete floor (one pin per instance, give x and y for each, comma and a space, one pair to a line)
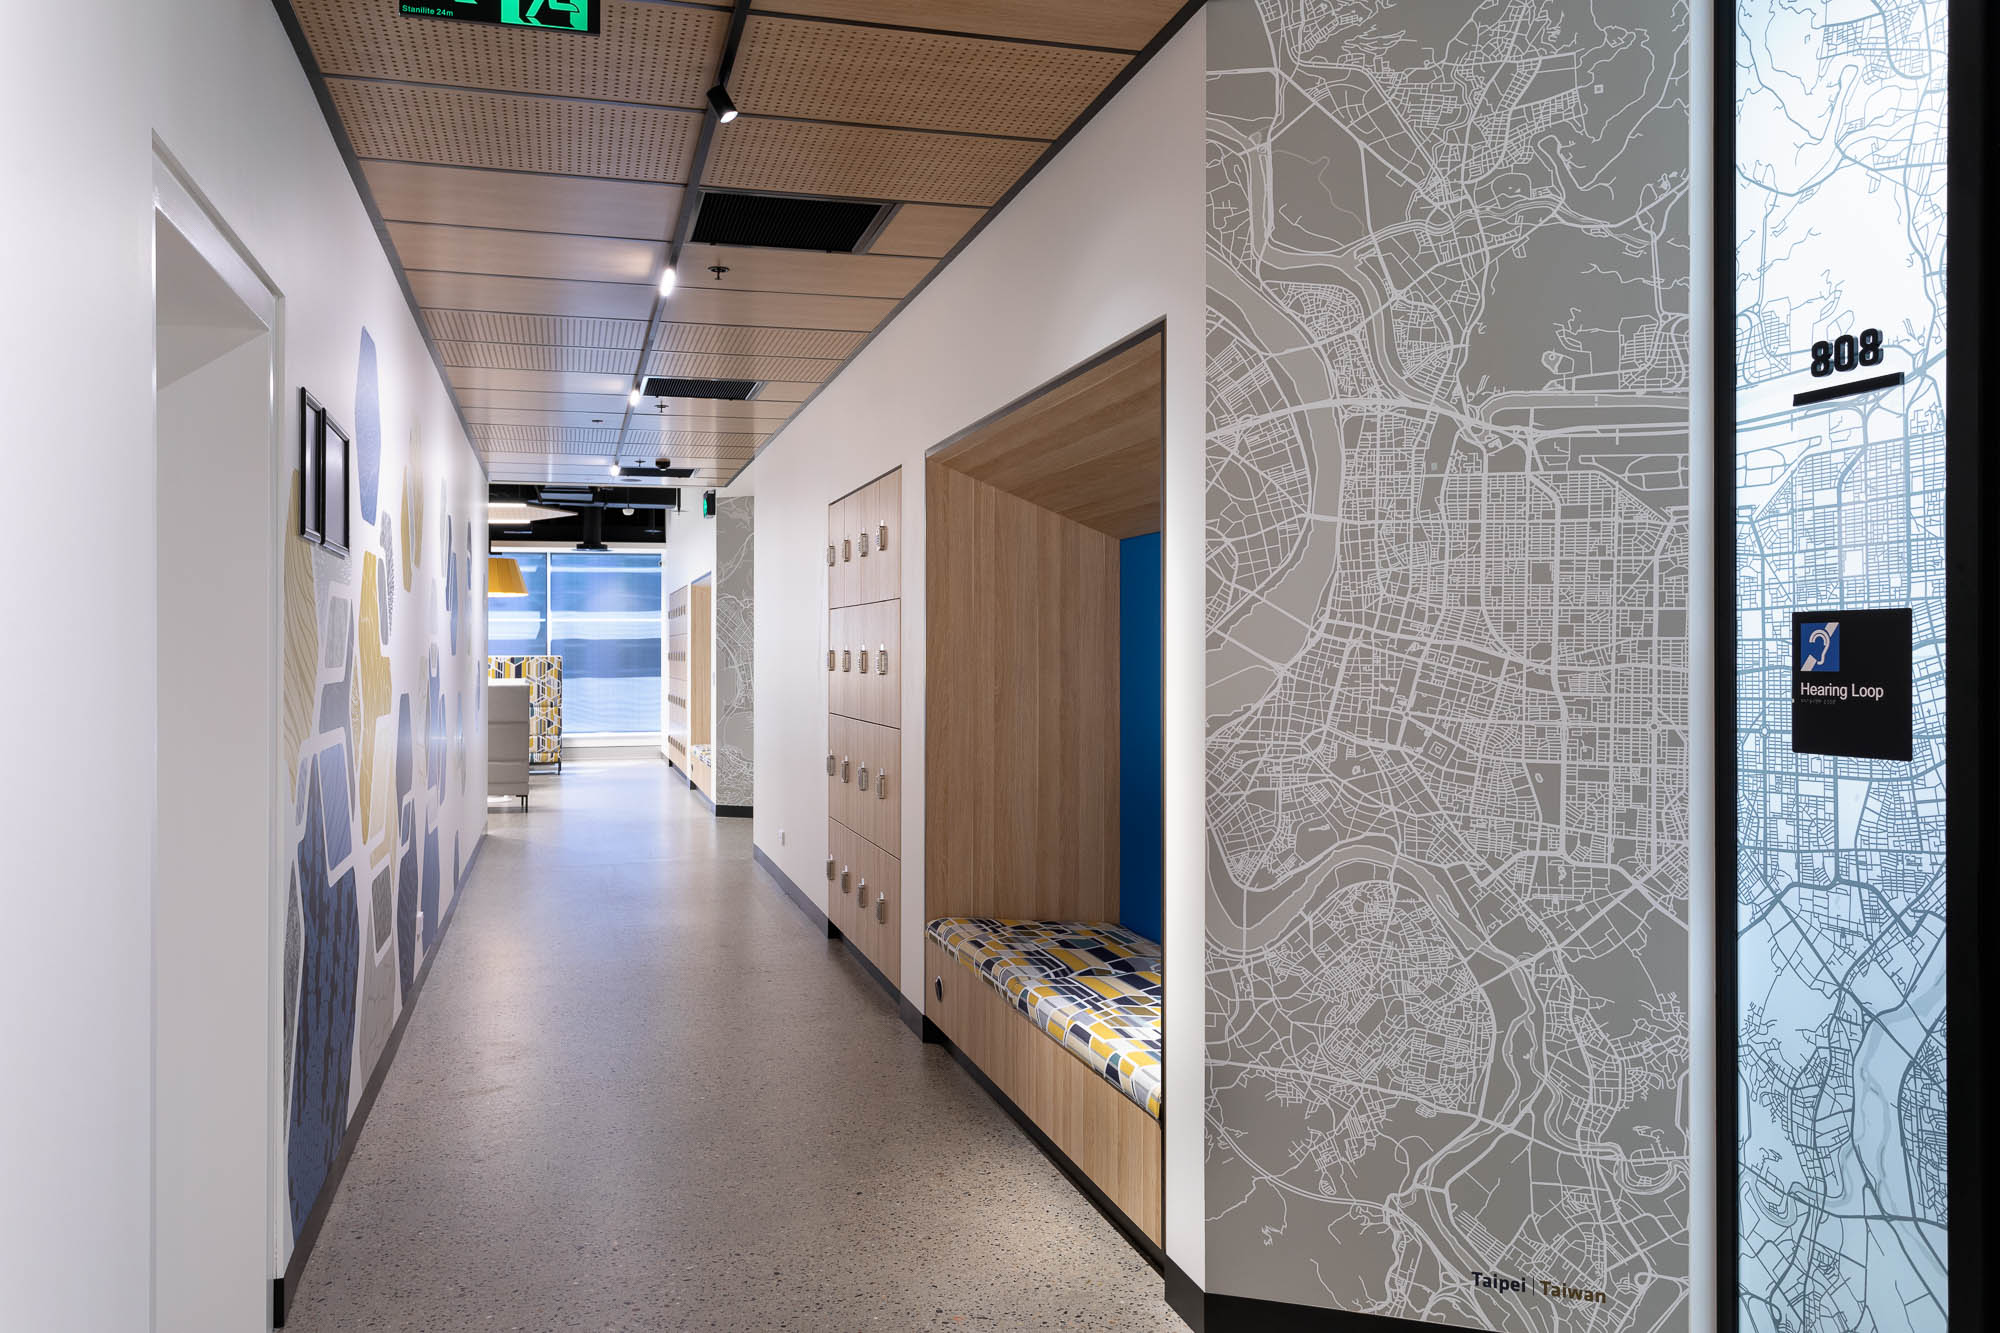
641, 1091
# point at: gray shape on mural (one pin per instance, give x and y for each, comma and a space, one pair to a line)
735, 649
385, 582
294, 947
382, 898
336, 699
1447, 545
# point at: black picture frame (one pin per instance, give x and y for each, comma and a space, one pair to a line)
336, 466
312, 424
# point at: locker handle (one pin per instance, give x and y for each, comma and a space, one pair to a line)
829, 554
863, 542
861, 779
829, 763
846, 550
882, 784
881, 661
845, 886
843, 768
881, 905
829, 659
829, 867
864, 659
937, 984
882, 538
847, 659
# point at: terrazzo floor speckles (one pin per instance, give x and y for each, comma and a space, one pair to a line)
641, 1092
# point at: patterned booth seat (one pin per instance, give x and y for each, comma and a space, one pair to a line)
1093, 986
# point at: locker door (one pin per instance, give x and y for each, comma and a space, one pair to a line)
885, 663
884, 913
885, 536
850, 567
885, 794
860, 517
840, 662
839, 891
838, 737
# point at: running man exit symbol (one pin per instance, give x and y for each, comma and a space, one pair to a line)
1819, 645
555, 15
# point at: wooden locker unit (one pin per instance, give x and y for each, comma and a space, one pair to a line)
863, 657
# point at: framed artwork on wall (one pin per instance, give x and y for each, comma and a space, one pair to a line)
336, 450
312, 423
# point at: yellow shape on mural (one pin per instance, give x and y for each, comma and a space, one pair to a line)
301, 640
373, 699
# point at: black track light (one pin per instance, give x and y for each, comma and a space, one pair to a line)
725, 110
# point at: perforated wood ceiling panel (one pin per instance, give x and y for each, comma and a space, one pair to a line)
543, 381
681, 414
887, 76
531, 296
659, 54
764, 270
459, 128
531, 254
610, 361
517, 439
1127, 24
862, 162
924, 229
720, 339
466, 197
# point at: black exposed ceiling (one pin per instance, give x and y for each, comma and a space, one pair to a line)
658, 387
784, 222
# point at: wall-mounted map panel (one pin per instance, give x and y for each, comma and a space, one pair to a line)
1447, 757
1840, 912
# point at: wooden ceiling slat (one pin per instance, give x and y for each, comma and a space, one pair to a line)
915, 80
527, 254
469, 197
532, 296
659, 54
1126, 24
925, 229
865, 162
717, 416
456, 127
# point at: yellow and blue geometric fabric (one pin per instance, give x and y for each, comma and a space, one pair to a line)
544, 677
1093, 986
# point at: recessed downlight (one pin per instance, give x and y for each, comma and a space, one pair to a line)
667, 280
633, 397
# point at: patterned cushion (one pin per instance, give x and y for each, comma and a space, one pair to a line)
1090, 985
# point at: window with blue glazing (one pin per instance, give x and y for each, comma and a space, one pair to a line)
600, 612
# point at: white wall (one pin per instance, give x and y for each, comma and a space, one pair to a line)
1106, 241
86, 89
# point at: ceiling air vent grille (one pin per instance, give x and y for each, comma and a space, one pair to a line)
784, 222
657, 387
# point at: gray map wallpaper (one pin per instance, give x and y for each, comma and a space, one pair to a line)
1841, 901
735, 605
1447, 751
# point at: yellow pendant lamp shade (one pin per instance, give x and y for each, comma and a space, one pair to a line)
503, 577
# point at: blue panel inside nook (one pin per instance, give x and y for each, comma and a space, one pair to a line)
1141, 874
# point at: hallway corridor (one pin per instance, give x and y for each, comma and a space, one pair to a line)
640, 1091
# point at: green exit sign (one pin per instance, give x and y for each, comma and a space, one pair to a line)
562, 15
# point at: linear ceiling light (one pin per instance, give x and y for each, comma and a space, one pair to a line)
725, 110
667, 280
633, 397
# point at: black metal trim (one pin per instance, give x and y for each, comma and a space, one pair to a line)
1852, 390
794, 892
316, 80
284, 1287
1972, 741
1062, 141
1117, 1216
1213, 1312
1722, 591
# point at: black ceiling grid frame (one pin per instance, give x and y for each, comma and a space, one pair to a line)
739, 15
1124, 76
338, 129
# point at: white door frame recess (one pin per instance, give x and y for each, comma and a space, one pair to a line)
213, 1192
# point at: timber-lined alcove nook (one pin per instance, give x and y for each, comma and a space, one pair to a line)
1042, 885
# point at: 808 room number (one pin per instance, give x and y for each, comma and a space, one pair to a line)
1846, 352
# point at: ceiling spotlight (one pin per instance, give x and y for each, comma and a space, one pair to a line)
667, 280
628, 511
633, 397
617, 471
725, 110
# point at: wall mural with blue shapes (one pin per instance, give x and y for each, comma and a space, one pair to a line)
385, 665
